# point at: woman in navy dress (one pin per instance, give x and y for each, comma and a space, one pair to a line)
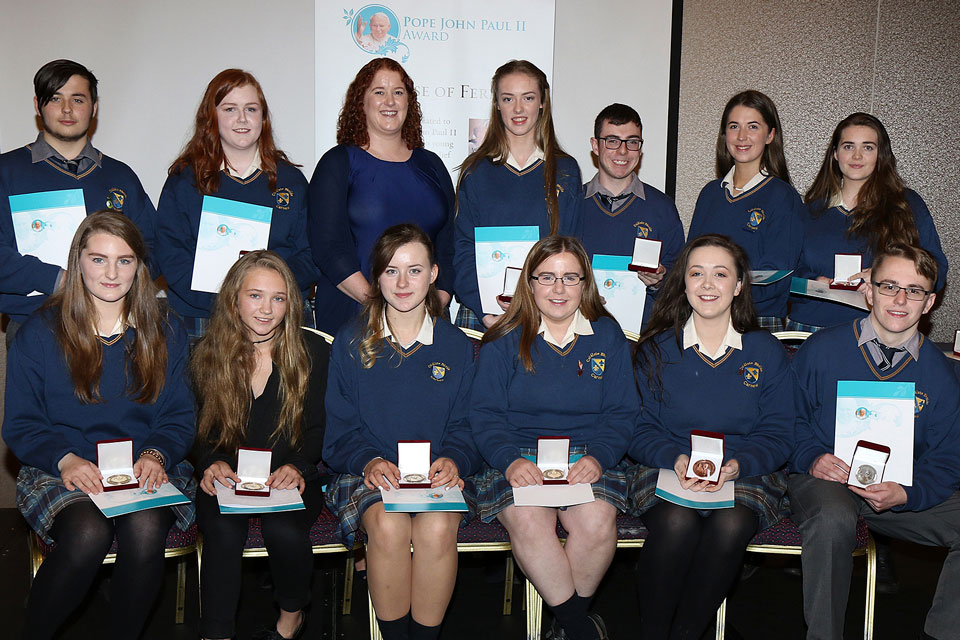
377, 176
857, 203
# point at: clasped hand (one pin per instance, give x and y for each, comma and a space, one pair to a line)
729, 471
383, 474
523, 472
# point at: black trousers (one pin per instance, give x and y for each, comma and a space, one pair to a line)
286, 536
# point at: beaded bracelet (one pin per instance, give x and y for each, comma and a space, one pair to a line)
156, 455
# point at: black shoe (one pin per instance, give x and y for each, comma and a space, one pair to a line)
273, 634
555, 632
601, 627
887, 582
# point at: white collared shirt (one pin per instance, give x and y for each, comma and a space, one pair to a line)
751, 183
118, 328
732, 339
425, 336
253, 168
536, 155
580, 326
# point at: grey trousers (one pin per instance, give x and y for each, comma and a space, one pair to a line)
826, 513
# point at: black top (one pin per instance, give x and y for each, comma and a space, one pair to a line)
264, 413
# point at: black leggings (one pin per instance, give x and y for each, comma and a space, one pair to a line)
687, 566
84, 536
286, 536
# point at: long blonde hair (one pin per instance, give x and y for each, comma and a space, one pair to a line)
370, 328
76, 316
496, 146
523, 311
224, 360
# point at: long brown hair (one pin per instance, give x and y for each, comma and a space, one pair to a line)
882, 214
523, 311
370, 329
75, 317
496, 147
672, 309
773, 161
204, 152
352, 122
224, 360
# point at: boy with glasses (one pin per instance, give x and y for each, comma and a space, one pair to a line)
884, 346
621, 208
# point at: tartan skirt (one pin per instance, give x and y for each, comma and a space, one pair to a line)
764, 495
41, 496
348, 499
770, 323
469, 320
793, 325
494, 493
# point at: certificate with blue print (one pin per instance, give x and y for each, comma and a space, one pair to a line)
670, 489
624, 294
762, 278
118, 503
278, 500
421, 500
228, 229
817, 289
881, 413
498, 248
44, 223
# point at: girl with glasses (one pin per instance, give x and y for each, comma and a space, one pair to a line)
556, 364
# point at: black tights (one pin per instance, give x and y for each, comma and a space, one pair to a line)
687, 565
84, 536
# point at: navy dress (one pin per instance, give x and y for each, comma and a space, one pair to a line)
354, 197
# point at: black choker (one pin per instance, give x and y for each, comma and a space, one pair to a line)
270, 337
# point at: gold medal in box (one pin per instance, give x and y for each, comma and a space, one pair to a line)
118, 479
413, 462
553, 474
253, 486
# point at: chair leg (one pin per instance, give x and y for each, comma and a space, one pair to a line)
534, 610
508, 587
348, 585
374, 627
181, 588
36, 558
871, 589
721, 620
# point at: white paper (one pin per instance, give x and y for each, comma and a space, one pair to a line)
226, 229
646, 253
124, 501
881, 413
670, 489
421, 500
278, 500
815, 289
552, 495
496, 249
624, 294
44, 223
763, 278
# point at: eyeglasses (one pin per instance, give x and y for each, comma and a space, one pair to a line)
890, 289
568, 279
613, 142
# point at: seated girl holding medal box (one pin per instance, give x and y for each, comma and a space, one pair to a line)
556, 364
101, 360
702, 363
260, 380
400, 372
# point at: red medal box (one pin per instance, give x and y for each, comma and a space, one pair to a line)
869, 461
553, 458
413, 460
510, 279
846, 265
253, 468
115, 462
706, 455
646, 255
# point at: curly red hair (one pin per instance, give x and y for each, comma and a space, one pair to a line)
352, 123
204, 152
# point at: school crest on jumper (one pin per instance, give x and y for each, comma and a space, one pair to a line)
115, 199
643, 229
284, 196
920, 400
438, 371
754, 218
598, 363
751, 374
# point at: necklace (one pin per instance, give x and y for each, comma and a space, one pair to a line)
270, 337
